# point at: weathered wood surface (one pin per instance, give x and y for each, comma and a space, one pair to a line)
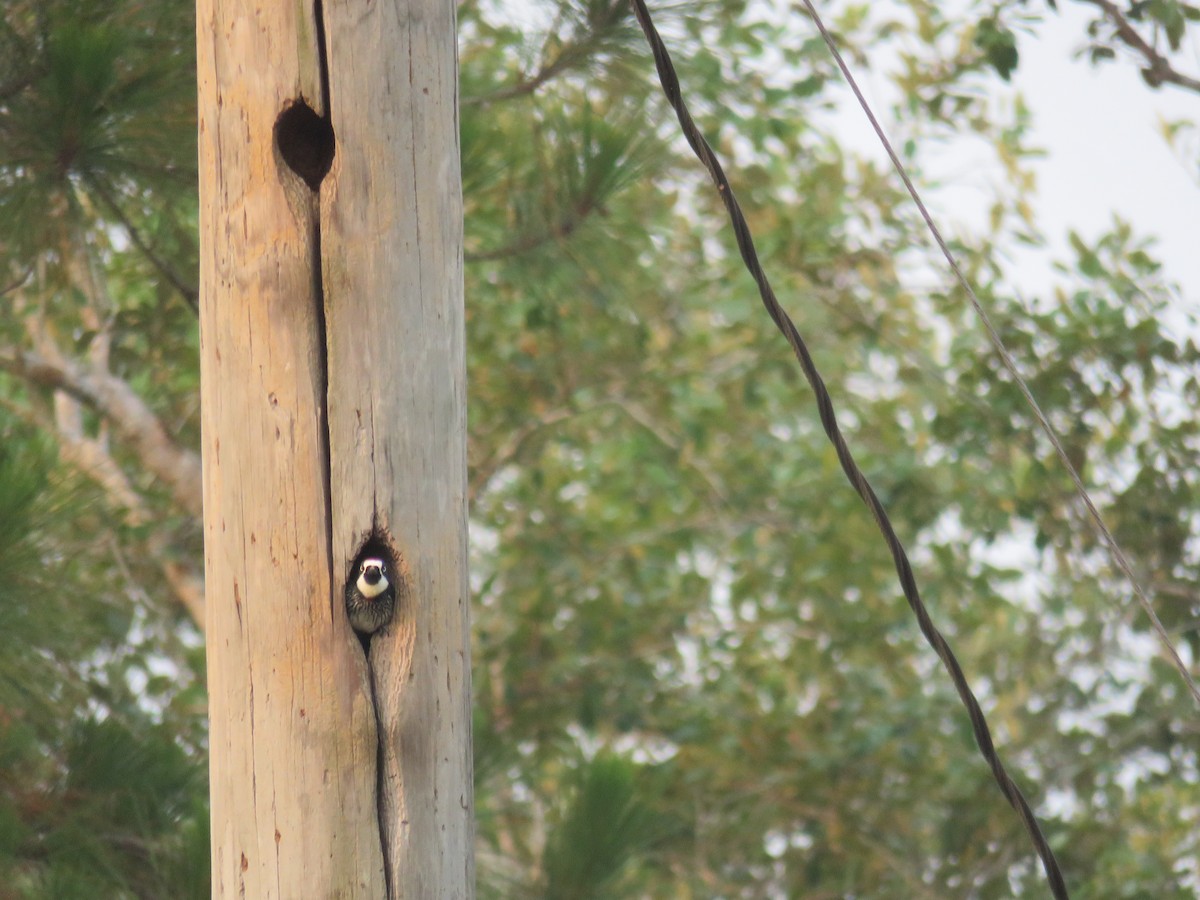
291, 489
393, 287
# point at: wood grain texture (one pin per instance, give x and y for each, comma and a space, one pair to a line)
392, 248
292, 739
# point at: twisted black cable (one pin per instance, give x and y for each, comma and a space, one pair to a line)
745, 242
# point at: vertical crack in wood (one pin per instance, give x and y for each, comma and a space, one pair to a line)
319, 293
380, 783
323, 401
318, 274
323, 58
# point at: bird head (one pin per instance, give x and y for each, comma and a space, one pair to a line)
372, 577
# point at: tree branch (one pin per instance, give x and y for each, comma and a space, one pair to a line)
188, 588
508, 450
91, 458
1158, 69
524, 85
175, 466
16, 283
190, 294
642, 417
559, 231
602, 26
571, 55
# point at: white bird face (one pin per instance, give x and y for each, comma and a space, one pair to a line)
372, 577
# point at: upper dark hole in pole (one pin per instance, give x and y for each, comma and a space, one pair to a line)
305, 141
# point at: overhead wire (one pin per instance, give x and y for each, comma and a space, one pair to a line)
1006, 359
983, 737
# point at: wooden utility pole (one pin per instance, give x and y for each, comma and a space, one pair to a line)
334, 415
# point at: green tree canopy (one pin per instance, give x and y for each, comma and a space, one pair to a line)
695, 674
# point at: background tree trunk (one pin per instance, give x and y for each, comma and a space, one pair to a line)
334, 412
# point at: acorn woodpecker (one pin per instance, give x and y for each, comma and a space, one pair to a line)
371, 596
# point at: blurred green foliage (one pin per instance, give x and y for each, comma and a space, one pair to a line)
694, 673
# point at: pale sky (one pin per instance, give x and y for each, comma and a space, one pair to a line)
1099, 127
1106, 151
